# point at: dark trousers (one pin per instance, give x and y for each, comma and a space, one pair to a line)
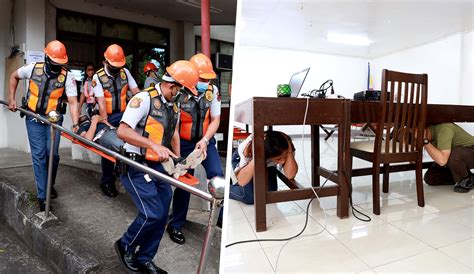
244, 194
108, 176
152, 199
460, 161
213, 167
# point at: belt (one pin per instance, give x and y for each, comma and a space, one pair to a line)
135, 157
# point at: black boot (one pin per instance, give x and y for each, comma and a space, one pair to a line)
150, 267
108, 189
464, 185
176, 235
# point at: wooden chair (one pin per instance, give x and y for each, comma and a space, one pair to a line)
402, 118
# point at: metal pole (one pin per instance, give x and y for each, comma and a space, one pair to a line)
206, 27
120, 157
215, 206
50, 172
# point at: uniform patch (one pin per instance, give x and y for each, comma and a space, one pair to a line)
94, 83
175, 108
123, 75
186, 99
209, 95
39, 71
61, 78
135, 102
157, 103
104, 78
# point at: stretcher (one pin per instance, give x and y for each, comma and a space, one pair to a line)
186, 178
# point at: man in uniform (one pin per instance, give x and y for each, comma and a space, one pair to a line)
49, 86
151, 72
199, 121
149, 128
110, 85
452, 150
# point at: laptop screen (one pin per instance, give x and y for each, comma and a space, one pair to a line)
296, 82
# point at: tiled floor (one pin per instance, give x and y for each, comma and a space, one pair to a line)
404, 238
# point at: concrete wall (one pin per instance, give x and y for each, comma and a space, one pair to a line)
4, 51
448, 63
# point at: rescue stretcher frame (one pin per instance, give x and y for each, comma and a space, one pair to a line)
216, 199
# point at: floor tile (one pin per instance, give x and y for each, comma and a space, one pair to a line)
274, 211
462, 215
428, 262
445, 199
461, 252
381, 244
235, 213
435, 230
319, 254
248, 261
399, 209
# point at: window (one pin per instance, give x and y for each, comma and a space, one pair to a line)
86, 37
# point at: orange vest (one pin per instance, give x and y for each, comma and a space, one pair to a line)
44, 93
195, 115
160, 122
115, 90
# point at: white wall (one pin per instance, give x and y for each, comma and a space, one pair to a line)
4, 34
259, 70
448, 63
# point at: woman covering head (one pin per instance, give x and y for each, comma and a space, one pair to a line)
279, 154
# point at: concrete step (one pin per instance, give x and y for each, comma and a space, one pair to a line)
88, 224
16, 257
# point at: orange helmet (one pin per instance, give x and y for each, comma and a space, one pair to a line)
185, 73
204, 66
56, 51
115, 56
149, 66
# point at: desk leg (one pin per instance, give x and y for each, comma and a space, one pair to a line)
260, 179
315, 155
343, 152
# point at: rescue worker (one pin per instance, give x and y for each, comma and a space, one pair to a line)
50, 84
149, 129
151, 72
110, 85
199, 121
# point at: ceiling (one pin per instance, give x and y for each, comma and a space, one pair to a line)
222, 11
391, 25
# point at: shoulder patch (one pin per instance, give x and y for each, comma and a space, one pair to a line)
135, 102
157, 103
94, 83
209, 95
61, 78
123, 75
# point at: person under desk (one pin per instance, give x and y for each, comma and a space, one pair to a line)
279, 155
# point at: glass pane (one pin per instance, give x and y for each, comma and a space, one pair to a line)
117, 30
152, 36
79, 51
227, 48
225, 78
155, 55
76, 23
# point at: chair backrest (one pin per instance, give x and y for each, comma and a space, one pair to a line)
403, 112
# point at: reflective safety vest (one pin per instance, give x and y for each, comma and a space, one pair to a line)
160, 122
195, 115
44, 93
115, 90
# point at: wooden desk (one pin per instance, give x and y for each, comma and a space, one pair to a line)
262, 111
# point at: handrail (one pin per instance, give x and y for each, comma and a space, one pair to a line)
150, 171
216, 186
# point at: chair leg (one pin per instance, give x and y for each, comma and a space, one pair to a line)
386, 176
376, 188
419, 183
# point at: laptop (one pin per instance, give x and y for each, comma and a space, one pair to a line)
296, 82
